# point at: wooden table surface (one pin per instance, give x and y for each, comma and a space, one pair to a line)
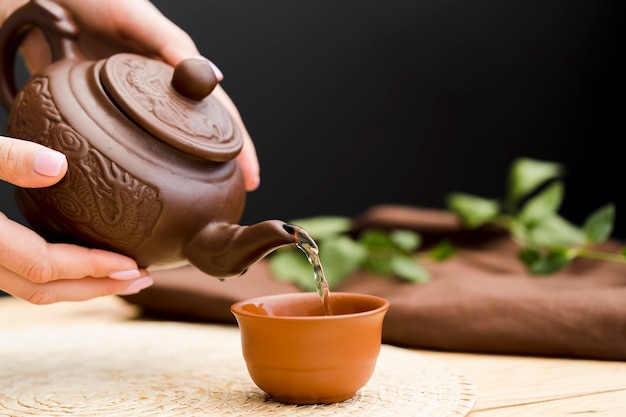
507, 385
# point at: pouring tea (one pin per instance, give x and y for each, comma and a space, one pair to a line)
151, 153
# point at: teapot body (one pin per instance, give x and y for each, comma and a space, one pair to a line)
151, 153
125, 190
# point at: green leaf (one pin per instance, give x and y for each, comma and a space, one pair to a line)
474, 211
555, 231
380, 266
290, 265
599, 225
408, 269
379, 249
525, 176
391, 254
406, 240
442, 250
545, 262
520, 232
322, 227
377, 241
544, 204
340, 256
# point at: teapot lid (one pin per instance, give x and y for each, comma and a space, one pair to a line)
173, 104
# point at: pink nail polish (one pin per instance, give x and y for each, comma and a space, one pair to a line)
218, 73
137, 286
126, 274
254, 184
48, 162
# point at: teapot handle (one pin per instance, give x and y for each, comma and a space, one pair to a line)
58, 27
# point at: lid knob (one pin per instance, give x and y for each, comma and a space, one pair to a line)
194, 78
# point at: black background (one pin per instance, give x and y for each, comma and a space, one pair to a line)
354, 103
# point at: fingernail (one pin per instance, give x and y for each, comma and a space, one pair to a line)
218, 73
126, 274
136, 286
48, 162
254, 183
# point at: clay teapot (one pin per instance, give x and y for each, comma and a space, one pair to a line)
150, 150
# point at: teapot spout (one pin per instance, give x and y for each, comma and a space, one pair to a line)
224, 250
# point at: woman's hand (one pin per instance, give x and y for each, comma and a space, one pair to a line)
44, 273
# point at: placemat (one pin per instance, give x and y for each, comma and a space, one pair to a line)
144, 368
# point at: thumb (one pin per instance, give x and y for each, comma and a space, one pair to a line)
28, 164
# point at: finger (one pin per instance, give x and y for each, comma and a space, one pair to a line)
68, 290
28, 164
247, 158
35, 51
7, 7
138, 20
116, 26
29, 255
249, 164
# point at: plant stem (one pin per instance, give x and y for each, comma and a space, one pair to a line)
603, 256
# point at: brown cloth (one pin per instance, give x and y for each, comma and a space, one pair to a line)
481, 300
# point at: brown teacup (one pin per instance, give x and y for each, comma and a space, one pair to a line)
299, 355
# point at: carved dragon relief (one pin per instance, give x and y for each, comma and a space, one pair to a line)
97, 195
147, 86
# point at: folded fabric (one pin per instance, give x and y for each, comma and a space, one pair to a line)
480, 300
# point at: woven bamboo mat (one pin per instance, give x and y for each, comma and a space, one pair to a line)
176, 369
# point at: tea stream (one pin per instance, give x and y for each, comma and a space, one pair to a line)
306, 244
